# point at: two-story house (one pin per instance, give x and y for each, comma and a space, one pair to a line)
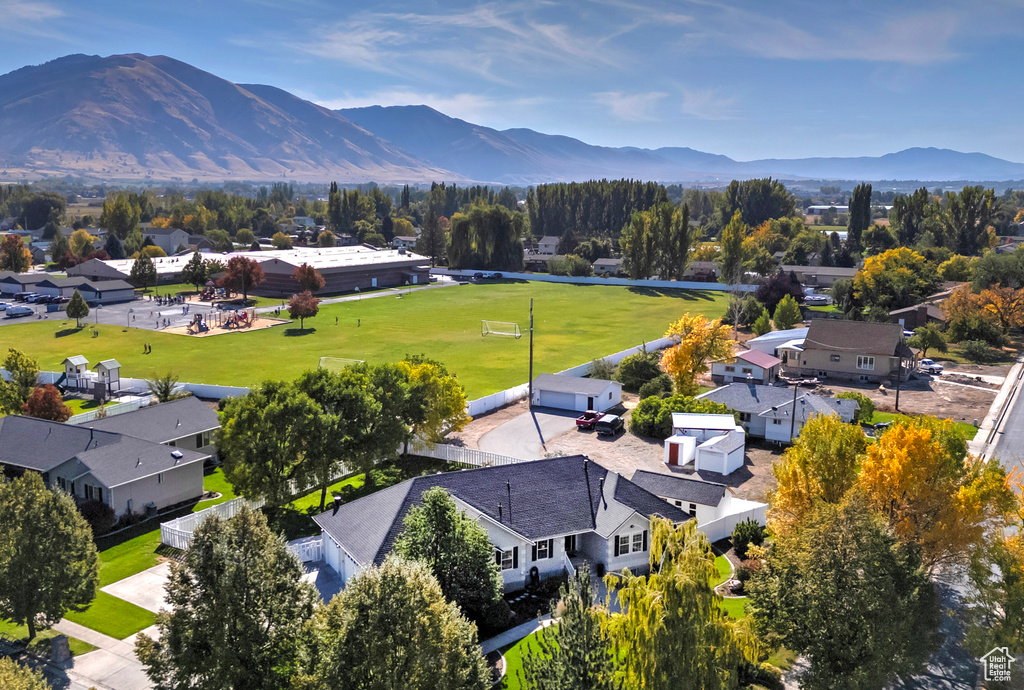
853, 351
541, 516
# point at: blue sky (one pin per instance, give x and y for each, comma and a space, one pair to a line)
746, 79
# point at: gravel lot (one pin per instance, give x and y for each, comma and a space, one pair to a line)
924, 396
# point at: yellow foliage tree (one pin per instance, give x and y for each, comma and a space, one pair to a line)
961, 303
700, 341
821, 465
160, 222
919, 477
1005, 304
152, 251
81, 243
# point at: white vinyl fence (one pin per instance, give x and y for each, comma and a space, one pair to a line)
465, 456
596, 280
308, 549
722, 527
177, 533
108, 411
515, 393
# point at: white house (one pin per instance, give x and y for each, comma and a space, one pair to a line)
574, 393
542, 517
716, 509
547, 245
750, 365
168, 239
404, 242
186, 423
766, 411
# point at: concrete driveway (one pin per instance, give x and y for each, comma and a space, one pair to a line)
527, 435
145, 589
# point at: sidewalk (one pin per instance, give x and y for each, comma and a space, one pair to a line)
513, 635
111, 667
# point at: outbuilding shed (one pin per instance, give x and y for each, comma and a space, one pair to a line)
577, 394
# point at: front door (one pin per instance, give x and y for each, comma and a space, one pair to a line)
673, 453
590, 403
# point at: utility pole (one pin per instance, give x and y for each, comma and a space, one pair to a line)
530, 393
792, 417
899, 375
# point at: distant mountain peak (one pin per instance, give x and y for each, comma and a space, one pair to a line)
135, 116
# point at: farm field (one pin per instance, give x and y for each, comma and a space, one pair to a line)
574, 324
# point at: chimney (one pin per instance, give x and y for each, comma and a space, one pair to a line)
508, 486
922, 315
337, 504
499, 513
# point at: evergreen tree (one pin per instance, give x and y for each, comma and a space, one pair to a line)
48, 561
731, 259
762, 324
77, 308
59, 247
860, 217
194, 272
457, 550
237, 607
389, 629
114, 248
143, 273
577, 654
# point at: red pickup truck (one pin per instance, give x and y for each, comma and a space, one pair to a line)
587, 420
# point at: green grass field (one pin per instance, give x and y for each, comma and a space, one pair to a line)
968, 430
574, 324
114, 617
40, 644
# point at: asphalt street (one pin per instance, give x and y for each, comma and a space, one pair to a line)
1008, 444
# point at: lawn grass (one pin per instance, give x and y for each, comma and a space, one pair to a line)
968, 430
573, 324
953, 354
736, 608
724, 570
782, 658
40, 644
295, 520
114, 617
514, 659
79, 405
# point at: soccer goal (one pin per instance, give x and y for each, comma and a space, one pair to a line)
508, 329
337, 363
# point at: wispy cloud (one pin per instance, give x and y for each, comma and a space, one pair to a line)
919, 39
708, 104
631, 107
29, 18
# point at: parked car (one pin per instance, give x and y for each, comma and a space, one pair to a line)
14, 312
478, 276
815, 299
4, 306
587, 420
22, 296
36, 298
929, 366
609, 425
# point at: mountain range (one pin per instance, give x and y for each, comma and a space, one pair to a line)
152, 117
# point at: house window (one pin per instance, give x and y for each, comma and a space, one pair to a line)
693, 510
507, 559
623, 544
638, 542
570, 543
203, 439
747, 370
744, 416
93, 493
62, 483
833, 358
730, 368
679, 504
776, 421
864, 362
543, 551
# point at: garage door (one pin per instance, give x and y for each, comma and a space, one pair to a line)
562, 401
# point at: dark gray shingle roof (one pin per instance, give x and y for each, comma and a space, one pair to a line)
164, 422
41, 445
745, 397
133, 458
680, 488
570, 384
549, 497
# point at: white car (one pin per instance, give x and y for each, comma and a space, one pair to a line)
929, 366
815, 299
4, 306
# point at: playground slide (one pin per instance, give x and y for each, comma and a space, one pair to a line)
58, 383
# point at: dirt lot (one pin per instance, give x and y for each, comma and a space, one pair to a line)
626, 453
923, 396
